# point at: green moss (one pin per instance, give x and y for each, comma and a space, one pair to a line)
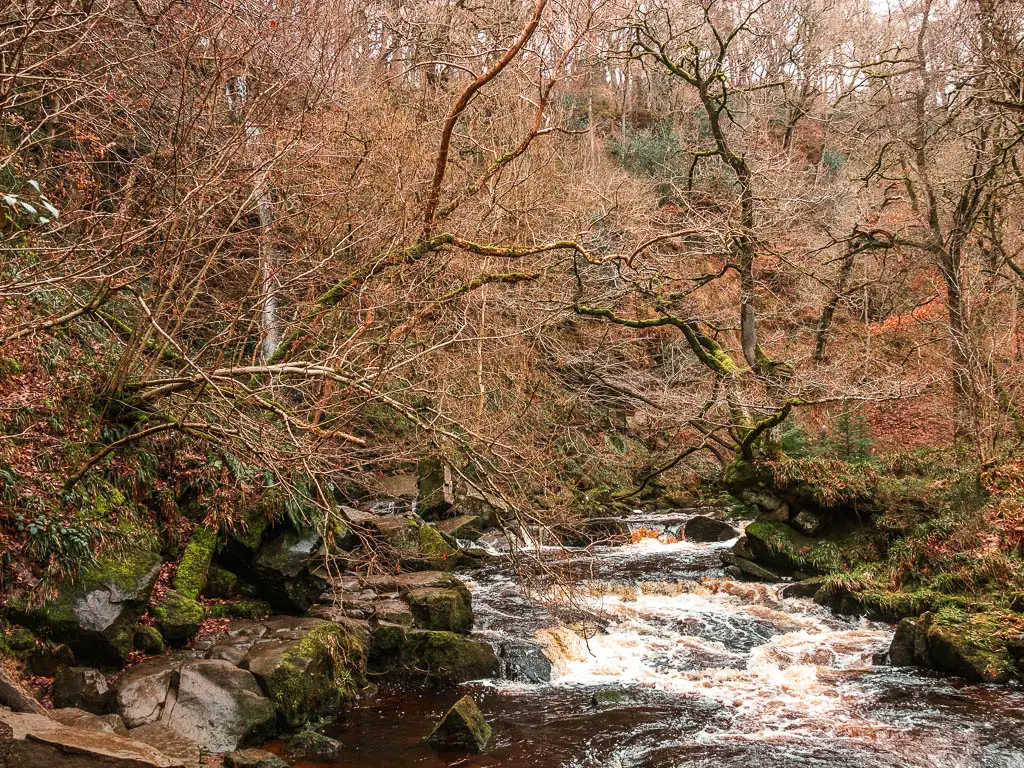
20, 639
148, 640
240, 609
432, 543
178, 616
972, 645
319, 676
190, 578
447, 658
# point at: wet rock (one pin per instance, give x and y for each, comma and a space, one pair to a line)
748, 569
462, 728
82, 687
142, 691
901, 649
45, 660
404, 582
808, 523
38, 741
310, 668
96, 617
839, 600
445, 657
149, 640
168, 742
310, 745
777, 545
436, 488
447, 609
468, 527
286, 569
706, 529
805, 588
219, 706
955, 649
253, 758
524, 662
178, 617
79, 718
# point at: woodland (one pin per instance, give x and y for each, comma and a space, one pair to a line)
265, 264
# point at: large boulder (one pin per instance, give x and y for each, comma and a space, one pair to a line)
310, 668
219, 706
287, 568
492, 511
463, 728
82, 687
79, 718
742, 568
142, 692
444, 657
37, 741
524, 662
97, 615
966, 645
448, 609
706, 529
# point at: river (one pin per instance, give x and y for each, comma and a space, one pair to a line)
660, 661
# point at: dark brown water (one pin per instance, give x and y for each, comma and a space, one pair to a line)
661, 662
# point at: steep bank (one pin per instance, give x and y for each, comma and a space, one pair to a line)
908, 540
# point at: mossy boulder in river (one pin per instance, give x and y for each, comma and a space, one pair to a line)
462, 728
97, 615
971, 646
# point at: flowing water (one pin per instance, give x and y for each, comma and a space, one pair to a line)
660, 661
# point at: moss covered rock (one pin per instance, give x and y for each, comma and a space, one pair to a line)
447, 658
97, 615
777, 544
462, 728
190, 578
149, 640
220, 583
309, 668
441, 609
178, 617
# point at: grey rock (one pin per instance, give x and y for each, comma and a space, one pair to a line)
286, 569
142, 691
82, 687
253, 758
524, 662
808, 523
462, 728
37, 741
168, 742
706, 529
219, 706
